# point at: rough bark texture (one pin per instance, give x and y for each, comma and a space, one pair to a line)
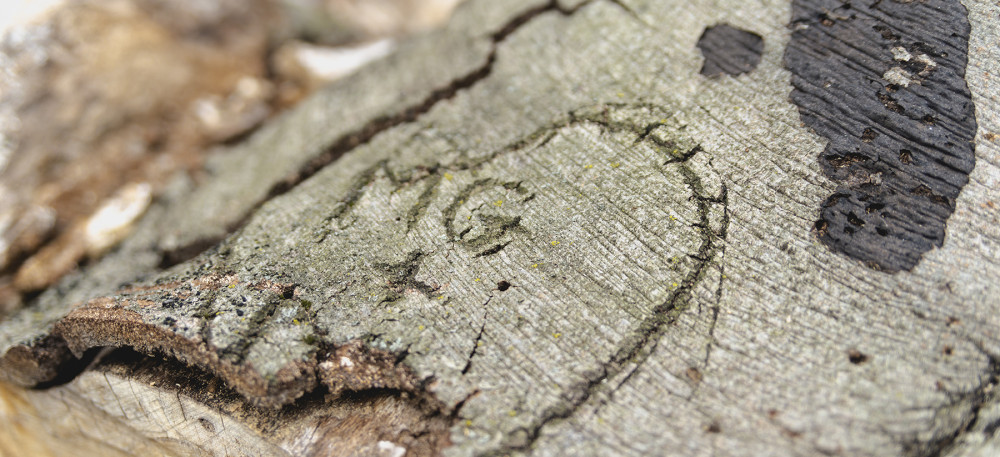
541, 231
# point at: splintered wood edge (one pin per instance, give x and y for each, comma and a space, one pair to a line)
139, 405
104, 322
344, 397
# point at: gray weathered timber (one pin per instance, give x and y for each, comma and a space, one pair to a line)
579, 245
130, 405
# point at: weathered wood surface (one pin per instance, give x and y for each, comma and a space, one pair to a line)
133, 405
550, 231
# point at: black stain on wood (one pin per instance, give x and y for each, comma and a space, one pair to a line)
884, 82
729, 50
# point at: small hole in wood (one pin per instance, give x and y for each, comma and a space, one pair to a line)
886, 33
922, 190
207, 424
856, 357
874, 207
822, 227
906, 156
834, 199
693, 374
868, 135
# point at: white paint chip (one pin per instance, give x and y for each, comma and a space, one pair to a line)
898, 76
110, 223
900, 53
390, 449
334, 63
926, 60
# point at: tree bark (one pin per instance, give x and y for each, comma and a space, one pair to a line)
569, 228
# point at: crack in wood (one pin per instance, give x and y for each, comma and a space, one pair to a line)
109, 321
479, 338
417, 423
374, 127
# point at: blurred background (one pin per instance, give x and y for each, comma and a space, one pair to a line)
102, 102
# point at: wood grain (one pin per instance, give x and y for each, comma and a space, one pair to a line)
590, 249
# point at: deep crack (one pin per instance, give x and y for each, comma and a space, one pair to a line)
365, 134
479, 337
